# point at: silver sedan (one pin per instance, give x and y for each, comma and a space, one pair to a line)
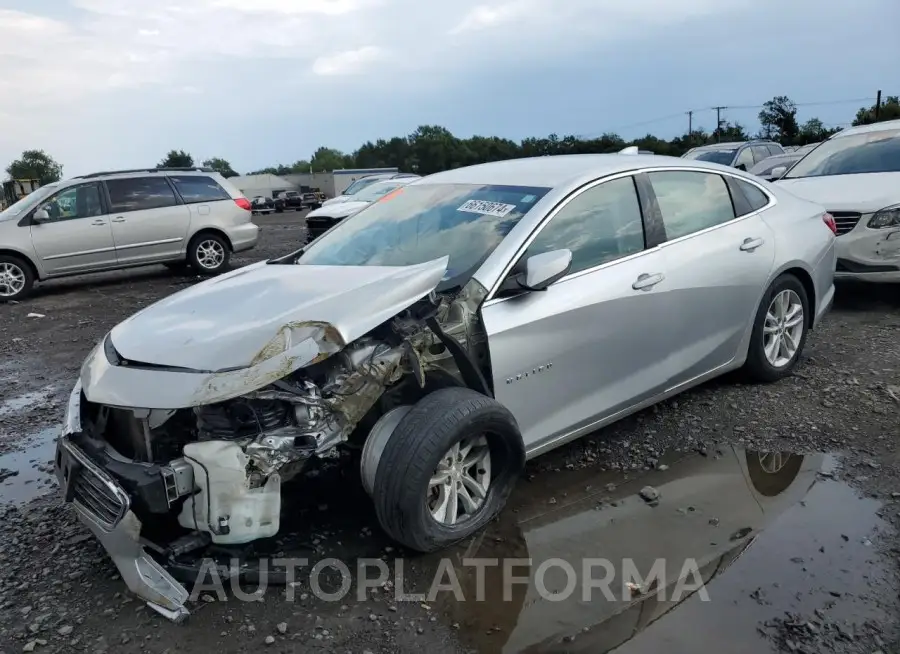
449, 331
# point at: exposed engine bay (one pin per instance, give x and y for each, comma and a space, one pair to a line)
220, 467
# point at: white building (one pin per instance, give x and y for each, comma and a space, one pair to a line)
265, 185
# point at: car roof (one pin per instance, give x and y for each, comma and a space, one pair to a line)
865, 129
731, 145
557, 170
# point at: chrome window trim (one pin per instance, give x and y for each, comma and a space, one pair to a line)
490, 299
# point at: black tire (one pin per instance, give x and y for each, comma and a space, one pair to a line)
204, 241
757, 367
434, 424
23, 274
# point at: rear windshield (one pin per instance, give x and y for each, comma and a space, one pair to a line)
423, 222
715, 156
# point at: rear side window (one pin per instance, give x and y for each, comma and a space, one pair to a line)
760, 153
690, 201
139, 193
755, 197
199, 188
774, 150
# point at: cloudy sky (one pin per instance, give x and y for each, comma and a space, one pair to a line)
117, 83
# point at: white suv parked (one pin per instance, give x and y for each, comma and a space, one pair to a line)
120, 219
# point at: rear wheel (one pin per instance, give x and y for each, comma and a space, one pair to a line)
779, 331
447, 469
16, 278
209, 254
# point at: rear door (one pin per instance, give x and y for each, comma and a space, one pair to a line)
596, 341
718, 261
206, 200
78, 236
149, 221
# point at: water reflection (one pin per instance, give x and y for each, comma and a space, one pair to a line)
709, 512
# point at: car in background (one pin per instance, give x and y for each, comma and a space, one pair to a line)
855, 174
120, 219
780, 163
742, 155
465, 323
262, 204
288, 200
313, 198
363, 182
321, 220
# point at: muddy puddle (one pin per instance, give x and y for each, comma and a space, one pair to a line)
27, 473
25, 401
732, 543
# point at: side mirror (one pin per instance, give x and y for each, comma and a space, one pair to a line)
41, 216
777, 172
541, 270
742, 167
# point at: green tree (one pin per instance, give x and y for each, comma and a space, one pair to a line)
779, 119
729, 132
328, 159
890, 110
814, 131
35, 164
177, 159
221, 166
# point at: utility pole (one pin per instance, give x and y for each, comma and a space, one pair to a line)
690, 124
877, 104
719, 122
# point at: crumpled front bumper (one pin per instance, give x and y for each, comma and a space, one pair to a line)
105, 508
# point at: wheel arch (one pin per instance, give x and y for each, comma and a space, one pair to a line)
25, 258
806, 280
214, 231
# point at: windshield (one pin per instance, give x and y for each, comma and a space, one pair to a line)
714, 156
766, 166
424, 222
374, 191
869, 152
26, 203
360, 184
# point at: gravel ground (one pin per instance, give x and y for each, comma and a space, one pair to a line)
60, 593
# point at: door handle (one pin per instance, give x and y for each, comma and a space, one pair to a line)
119, 219
750, 244
645, 282
99, 222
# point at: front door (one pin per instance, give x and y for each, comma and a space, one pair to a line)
597, 341
77, 237
717, 266
149, 222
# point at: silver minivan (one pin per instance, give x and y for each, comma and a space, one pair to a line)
111, 220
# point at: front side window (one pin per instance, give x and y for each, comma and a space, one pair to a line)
600, 225
198, 188
691, 201
139, 193
745, 158
869, 152
423, 222
82, 201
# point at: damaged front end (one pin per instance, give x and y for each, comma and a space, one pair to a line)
207, 463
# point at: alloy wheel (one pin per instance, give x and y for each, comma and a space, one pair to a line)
12, 279
783, 328
210, 254
460, 483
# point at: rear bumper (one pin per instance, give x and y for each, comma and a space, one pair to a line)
244, 237
105, 508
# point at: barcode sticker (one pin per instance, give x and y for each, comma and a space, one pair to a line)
486, 208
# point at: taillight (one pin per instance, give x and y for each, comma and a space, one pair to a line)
829, 220
243, 203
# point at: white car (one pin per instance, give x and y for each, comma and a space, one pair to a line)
319, 221
855, 174
350, 192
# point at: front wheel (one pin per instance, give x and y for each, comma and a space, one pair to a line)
447, 469
16, 278
209, 254
779, 330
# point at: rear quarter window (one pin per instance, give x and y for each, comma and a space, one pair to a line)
199, 188
755, 197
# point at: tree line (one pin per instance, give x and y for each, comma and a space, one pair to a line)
432, 148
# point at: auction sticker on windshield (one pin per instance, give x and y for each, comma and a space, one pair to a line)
486, 208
